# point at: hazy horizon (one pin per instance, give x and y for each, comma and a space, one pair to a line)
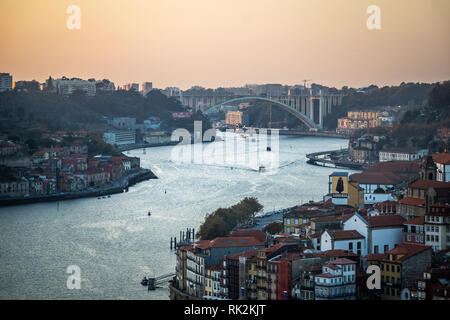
228, 43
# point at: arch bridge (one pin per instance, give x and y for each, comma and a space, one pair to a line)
309, 109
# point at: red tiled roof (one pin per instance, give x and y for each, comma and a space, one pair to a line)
342, 261
413, 201
345, 234
260, 235
331, 266
347, 216
425, 184
375, 257
338, 253
246, 254
407, 250
386, 206
385, 221
389, 178
442, 158
396, 166
187, 248
273, 248
231, 242
416, 221
327, 275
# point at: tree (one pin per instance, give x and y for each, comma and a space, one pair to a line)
439, 96
220, 222
273, 228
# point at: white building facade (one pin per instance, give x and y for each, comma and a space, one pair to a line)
337, 281
382, 233
401, 154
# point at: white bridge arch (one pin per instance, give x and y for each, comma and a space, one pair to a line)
296, 113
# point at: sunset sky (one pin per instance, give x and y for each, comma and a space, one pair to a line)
216, 43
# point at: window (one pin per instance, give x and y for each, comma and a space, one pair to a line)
350, 246
288, 221
375, 249
296, 221
386, 247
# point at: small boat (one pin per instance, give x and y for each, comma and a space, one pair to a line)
149, 214
269, 149
144, 281
262, 169
109, 196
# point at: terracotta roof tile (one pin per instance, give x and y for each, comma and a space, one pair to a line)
413, 201
261, 235
386, 221
375, 257
416, 221
442, 158
342, 261
425, 184
373, 177
407, 250
345, 234
396, 166
231, 242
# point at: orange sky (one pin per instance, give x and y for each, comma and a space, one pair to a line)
227, 42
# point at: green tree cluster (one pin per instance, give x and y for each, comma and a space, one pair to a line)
273, 228
222, 221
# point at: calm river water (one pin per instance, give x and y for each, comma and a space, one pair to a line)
116, 244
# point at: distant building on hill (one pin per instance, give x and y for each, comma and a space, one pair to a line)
6, 82
118, 138
401, 154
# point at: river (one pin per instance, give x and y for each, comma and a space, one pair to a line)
115, 243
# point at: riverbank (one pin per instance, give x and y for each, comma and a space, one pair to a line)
334, 158
145, 145
119, 186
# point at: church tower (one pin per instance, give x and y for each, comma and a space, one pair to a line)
428, 168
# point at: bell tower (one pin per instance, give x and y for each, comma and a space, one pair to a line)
428, 168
